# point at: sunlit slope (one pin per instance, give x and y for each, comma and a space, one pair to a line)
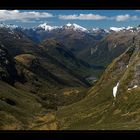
100, 110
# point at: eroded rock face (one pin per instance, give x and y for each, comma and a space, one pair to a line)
136, 76
8, 71
135, 66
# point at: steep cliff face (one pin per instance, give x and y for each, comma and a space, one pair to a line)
8, 71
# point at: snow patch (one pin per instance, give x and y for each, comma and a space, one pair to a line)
135, 86
116, 29
79, 27
107, 31
129, 27
99, 30
115, 89
115, 46
96, 29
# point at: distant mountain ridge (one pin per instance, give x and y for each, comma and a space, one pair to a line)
73, 26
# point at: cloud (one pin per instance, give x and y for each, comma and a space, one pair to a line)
31, 16
98, 17
22, 16
125, 17
82, 17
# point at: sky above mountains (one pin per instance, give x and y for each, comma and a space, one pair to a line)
86, 18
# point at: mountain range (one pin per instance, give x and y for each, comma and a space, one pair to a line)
69, 77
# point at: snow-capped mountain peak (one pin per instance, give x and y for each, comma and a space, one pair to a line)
2, 25
95, 29
68, 24
117, 29
46, 27
74, 27
10, 26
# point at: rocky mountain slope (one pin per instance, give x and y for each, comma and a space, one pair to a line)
110, 47
113, 103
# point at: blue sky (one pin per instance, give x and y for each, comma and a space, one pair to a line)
86, 18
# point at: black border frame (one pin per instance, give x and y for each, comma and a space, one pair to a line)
70, 4
64, 5
65, 135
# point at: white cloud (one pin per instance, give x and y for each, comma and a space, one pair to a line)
28, 16
22, 16
125, 17
98, 17
82, 17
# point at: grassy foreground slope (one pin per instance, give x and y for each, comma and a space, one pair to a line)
17, 107
29, 93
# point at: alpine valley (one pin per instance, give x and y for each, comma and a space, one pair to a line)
69, 78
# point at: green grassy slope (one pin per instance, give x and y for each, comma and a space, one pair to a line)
50, 88
29, 93
100, 110
17, 107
